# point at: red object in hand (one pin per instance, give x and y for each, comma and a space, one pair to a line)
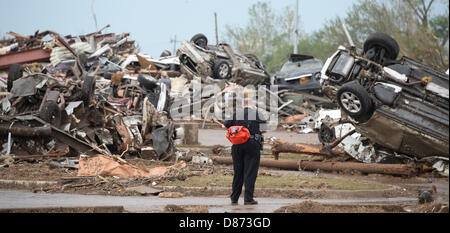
238, 135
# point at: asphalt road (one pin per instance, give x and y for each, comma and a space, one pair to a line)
10, 199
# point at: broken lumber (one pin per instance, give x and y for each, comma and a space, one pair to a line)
295, 119
388, 169
51, 188
280, 146
369, 168
50, 155
339, 140
25, 131
112, 111
36, 156
81, 185
61, 187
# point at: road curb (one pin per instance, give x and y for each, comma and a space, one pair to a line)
26, 184
88, 209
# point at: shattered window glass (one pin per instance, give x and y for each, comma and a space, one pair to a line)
302, 65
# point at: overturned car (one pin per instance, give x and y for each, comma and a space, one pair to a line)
400, 106
197, 58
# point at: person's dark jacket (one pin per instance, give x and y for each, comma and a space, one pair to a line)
250, 118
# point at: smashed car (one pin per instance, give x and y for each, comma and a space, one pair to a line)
198, 59
401, 106
169, 64
299, 83
300, 73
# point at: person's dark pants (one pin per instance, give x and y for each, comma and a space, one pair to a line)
246, 159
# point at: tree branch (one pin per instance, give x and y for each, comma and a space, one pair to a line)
418, 14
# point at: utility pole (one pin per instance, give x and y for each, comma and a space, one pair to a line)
94, 16
217, 32
174, 41
296, 30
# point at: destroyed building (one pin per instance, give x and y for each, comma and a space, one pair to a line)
82, 92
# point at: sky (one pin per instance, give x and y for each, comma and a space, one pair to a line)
152, 23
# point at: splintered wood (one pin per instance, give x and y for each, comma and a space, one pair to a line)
290, 164
280, 146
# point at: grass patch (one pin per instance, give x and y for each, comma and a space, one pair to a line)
292, 181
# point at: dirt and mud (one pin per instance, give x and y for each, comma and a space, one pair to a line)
314, 207
192, 181
214, 181
195, 180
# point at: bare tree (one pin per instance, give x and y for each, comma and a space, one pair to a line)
421, 9
421, 34
405, 20
267, 34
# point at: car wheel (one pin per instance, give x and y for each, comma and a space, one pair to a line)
51, 113
200, 40
355, 101
88, 88
379, 41
166, 53
147, 84
15, 72
222, 69
326, 134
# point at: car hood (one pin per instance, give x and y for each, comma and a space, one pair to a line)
296, 73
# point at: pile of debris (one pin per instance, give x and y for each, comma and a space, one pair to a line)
88, 93
96, 94
226, 77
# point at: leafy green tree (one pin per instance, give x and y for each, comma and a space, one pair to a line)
278, 55
439, 26
316, 44
268, 35
421, 33
256, 37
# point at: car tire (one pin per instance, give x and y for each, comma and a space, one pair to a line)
88, 89
200, 40
384, 41
166, 53
222, 69
147, 84
15, 72
355, 101
326, 134
51, 113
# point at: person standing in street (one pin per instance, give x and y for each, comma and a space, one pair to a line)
246, 156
